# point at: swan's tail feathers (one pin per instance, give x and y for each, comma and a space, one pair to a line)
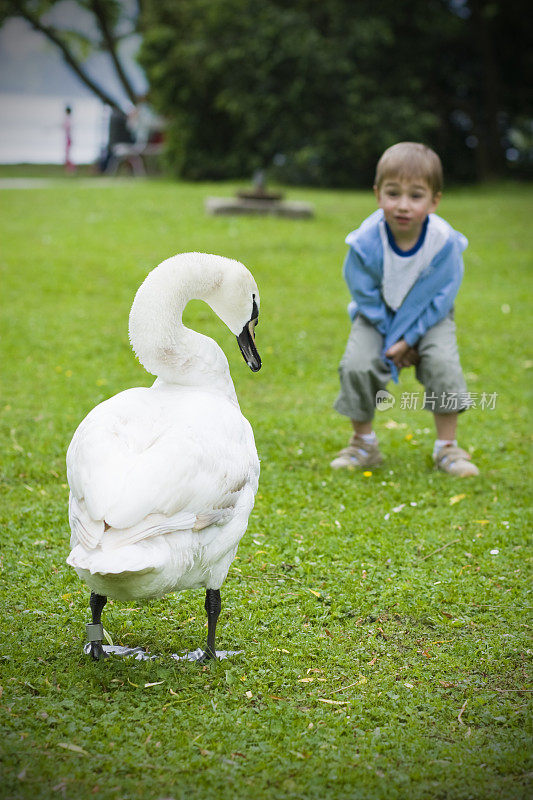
152, 525
92, 533
85, 531
128, 560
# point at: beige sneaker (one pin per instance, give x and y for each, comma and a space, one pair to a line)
358, 454
455, 461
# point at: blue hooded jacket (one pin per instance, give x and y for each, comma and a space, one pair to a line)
430, 298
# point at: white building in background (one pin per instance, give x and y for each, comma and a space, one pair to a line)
32, 129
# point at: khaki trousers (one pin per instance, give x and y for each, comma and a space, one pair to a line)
363, 373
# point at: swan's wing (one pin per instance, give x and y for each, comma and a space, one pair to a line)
145, 462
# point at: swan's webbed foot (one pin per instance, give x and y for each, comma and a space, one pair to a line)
203, 656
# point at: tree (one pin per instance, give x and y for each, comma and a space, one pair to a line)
324, 87
111, 23
248, 82
497, 79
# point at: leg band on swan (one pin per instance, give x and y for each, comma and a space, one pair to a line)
95, 632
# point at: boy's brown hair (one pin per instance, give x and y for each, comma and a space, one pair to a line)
410, 160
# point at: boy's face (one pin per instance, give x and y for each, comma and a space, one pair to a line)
406, 204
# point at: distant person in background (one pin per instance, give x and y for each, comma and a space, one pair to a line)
145, 125
118, 133
67, 127
131, 138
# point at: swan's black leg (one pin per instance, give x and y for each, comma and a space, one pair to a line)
212, 607
95, 630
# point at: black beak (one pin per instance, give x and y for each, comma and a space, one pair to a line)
246, 340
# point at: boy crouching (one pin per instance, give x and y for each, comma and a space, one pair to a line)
404, 268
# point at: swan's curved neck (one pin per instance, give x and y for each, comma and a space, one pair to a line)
162, 343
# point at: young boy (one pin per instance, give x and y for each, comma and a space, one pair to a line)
404, 268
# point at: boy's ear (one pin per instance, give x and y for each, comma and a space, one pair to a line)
376, 192
436, 200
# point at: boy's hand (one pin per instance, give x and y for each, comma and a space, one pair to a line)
411, 358
402, 354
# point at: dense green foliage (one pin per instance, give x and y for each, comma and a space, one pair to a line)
382, 658
315, 92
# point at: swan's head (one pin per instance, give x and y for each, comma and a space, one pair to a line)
225, 284
235, 299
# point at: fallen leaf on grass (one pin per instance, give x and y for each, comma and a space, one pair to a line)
457, 498
73, 747
156, 683
461, 712
317, 594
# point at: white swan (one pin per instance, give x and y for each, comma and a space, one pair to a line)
163, 479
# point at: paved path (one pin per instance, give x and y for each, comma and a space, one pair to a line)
47, 183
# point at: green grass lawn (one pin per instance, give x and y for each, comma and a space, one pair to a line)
384, 618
